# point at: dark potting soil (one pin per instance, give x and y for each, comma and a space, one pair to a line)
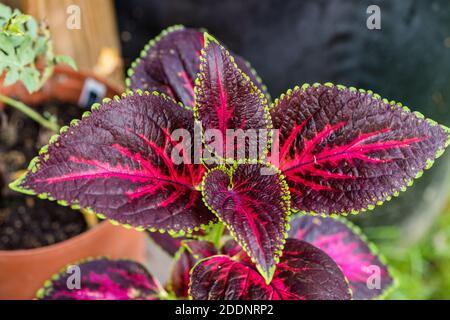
28, 222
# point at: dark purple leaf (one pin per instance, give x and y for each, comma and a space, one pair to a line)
171, 243
231, 248
188, 255
200, 249
179, 277
168, 243
304, 273
117, 163
170, 63
226, 99
368, 276
344, 150
103, 279
255, 209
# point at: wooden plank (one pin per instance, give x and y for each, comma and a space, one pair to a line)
12, 3
95, 46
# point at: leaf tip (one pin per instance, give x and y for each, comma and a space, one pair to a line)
267, 273
207, 39
16, 185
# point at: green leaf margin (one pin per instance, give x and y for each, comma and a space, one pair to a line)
408, 183
35, 163
263, 99
47, 286
373, 249
171, 29
285, 202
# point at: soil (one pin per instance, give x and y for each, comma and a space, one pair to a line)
28, 222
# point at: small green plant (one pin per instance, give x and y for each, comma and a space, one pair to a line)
26, 55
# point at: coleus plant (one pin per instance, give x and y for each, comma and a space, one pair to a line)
334, 151
332, 251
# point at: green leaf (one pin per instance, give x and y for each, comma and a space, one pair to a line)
21, 19
30, 79
11, 77
32, 27
22, 41
5, 12
25, 54
6, 45
14, 29
40, 46
66, 60
15, 24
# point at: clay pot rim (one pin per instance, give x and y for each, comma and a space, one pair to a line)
89, 74
91, 231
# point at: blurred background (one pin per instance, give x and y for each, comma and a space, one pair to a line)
294, 42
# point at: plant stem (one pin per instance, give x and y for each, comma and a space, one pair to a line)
216, 233
30, 113
89, 217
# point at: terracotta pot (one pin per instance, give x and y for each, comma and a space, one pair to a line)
23, 272
65, 85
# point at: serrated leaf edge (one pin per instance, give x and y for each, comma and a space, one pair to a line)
34, 165
47, 286
146, 49
408, 183
373, 249
263, 99
178, 27
285, 202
